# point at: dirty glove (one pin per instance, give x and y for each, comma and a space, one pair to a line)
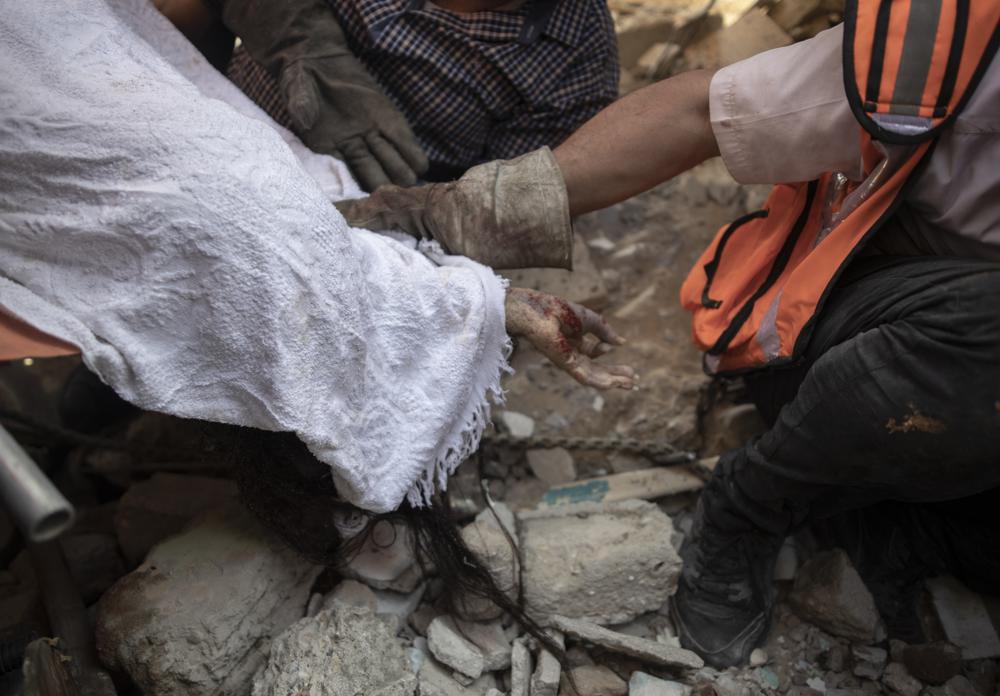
505, 214
336, 106
569, 335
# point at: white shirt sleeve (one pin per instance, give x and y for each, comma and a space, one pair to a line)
782, 116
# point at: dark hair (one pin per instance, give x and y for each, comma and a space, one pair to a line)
293, 493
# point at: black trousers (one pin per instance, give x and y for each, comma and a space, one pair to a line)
888, 431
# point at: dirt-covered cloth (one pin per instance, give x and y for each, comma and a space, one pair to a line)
182, 245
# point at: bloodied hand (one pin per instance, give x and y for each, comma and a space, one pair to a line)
569, 335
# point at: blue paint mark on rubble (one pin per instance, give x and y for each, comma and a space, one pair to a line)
590, 492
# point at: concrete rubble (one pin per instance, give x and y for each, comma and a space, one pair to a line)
605, 563
829, 592
343, 649
647, 651
198, 615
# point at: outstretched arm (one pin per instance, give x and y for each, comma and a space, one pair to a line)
638, 142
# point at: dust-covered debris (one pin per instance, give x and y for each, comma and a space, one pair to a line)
650, 652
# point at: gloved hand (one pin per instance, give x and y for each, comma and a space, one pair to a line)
336, 107
505, 214
569, 335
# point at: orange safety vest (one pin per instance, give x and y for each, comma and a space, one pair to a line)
909, 68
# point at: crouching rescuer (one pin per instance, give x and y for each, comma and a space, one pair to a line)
860, 305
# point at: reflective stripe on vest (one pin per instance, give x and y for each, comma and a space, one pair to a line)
756, 290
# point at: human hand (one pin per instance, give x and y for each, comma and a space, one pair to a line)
569, 335
338, 109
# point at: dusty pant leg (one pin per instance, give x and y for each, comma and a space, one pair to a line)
898, 399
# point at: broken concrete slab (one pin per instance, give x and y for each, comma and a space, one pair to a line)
869, 661
965, 618
554, 466
492, 546
161, 506
344, 649
198, 616
829, 593
607, 563
593, 680
648, 651
642, 684
451, 648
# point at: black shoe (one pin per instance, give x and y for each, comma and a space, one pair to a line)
722, 608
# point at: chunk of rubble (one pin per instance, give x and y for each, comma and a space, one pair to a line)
436, 681
450, 647
933, 663
553, 466
593, 680
897, 679
607, 563
520, 668
869, 661
198, 616
648, 651
491, 641
548, 672
829, 593
642, 684
344, 649
492, 546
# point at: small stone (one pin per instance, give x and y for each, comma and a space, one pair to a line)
960, 686
896, 650
648, 651
517, 424
436, 681
869, 661
421, 618
396, 607
726, 685
593, 680
834, 659
983, 675
642, 684
896, 678
520, 669
758, 657
554, 466
491, 641
934, 663
450, 647
787, 563
829, 593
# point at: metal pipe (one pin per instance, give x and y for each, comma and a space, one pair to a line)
37, 507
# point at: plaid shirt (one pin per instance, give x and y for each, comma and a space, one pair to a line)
476, 87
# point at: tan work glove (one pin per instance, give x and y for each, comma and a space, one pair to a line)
504, 214
569, 335
337, 108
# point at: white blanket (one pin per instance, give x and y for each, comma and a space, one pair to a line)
188, 247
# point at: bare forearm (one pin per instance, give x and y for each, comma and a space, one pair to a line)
638, 142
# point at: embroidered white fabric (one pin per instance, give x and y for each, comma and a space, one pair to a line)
154, 217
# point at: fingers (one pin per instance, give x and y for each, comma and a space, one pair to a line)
409, 149
398, 171
593, 347
592, 374
362, 163
592, 322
